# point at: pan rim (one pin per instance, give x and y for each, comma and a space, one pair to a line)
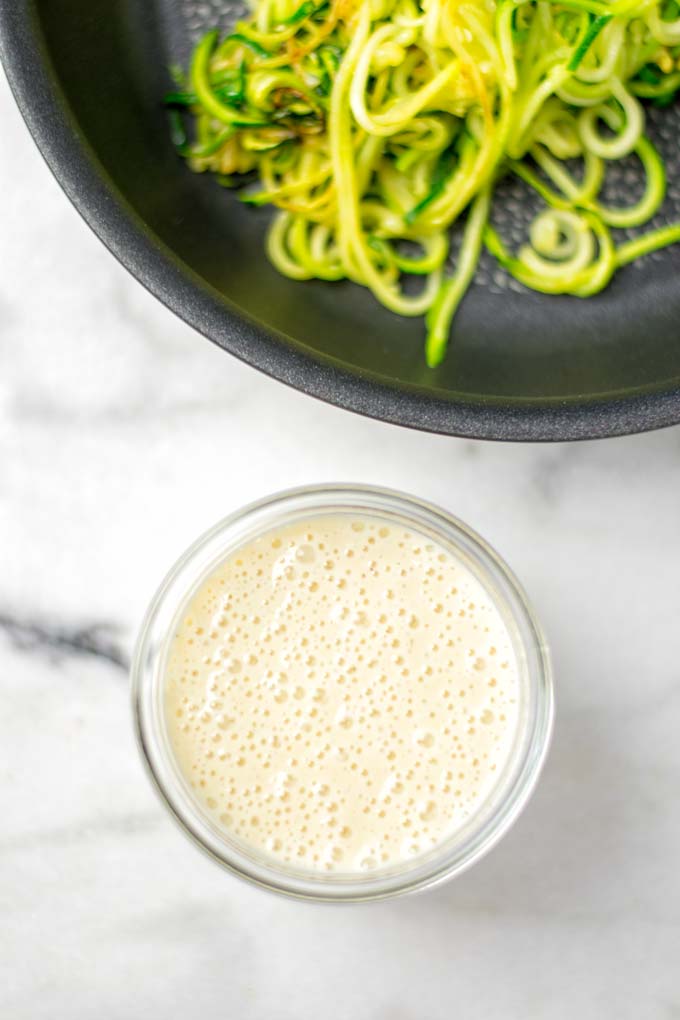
48, 117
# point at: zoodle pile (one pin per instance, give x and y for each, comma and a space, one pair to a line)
374, 126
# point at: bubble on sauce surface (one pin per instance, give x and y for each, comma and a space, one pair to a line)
353, 691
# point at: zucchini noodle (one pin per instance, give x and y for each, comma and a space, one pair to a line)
376, 126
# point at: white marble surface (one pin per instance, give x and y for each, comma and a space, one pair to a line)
123, 434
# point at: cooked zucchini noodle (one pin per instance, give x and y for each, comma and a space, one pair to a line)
375, 125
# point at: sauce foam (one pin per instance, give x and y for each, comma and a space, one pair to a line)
342, 694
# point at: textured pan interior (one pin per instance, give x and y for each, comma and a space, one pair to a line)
510, 346
509, 340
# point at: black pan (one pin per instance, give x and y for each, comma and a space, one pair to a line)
89, 76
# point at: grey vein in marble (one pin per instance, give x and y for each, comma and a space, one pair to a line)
96, 639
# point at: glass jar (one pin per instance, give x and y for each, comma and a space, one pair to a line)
515, 783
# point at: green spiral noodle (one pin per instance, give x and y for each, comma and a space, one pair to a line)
374, 125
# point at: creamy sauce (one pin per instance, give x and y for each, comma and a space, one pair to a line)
342, 694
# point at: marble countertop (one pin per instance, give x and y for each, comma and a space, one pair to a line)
123, 434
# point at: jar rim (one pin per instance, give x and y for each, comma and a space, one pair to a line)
486, 826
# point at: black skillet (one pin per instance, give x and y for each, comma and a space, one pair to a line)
89, 76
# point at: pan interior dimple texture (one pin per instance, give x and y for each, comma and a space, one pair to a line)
576, 336
515, 205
